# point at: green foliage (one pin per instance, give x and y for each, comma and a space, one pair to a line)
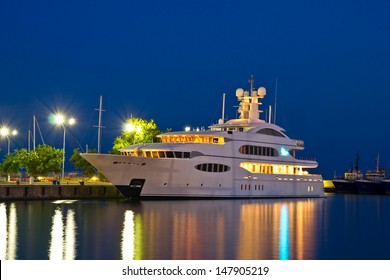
42, 161
137, 131
11, 164
79, 162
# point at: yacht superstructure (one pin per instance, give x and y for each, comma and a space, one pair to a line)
244, 157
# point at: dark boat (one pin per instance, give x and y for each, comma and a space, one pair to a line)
386, 185
346, 183
372, 184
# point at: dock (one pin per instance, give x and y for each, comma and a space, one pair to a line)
54, 192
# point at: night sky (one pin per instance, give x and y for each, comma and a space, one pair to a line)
171, 61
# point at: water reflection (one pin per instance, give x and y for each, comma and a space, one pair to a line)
63, 238
268, 229
290, 226
127, 245
8, 232
283, 234
197, 229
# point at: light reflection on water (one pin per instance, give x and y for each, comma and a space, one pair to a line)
197, 229
127, 245
63, 238
8, 232
283, 234
213, 230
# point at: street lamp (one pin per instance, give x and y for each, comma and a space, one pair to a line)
61, 120
5, 132
136, 129
129, 127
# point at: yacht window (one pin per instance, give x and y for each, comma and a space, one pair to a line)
258, 151
148, 154
169, 154
155, 154
161, 154
178, 154
187, 155
271, 132
212, 167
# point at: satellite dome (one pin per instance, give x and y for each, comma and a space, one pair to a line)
239, 92
261, 92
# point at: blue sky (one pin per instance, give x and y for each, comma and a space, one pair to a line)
171, 61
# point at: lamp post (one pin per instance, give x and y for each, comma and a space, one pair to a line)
5, 132
60, 120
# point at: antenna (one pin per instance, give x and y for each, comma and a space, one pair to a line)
223, 107
251, 81
99, 126
270, 114
377, 163
276, 96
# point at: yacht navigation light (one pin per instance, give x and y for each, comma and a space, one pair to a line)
284, 152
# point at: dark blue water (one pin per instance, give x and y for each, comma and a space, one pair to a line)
337, 227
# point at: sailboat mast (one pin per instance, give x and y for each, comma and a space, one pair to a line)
99, 126
34, 121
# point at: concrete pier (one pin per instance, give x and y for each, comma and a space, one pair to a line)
55, 192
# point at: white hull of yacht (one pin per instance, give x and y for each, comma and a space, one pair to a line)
141, 177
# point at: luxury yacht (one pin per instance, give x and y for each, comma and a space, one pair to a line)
240, 158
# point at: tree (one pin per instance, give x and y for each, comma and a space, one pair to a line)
11, 164
136, 131
41, 161
79, 162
